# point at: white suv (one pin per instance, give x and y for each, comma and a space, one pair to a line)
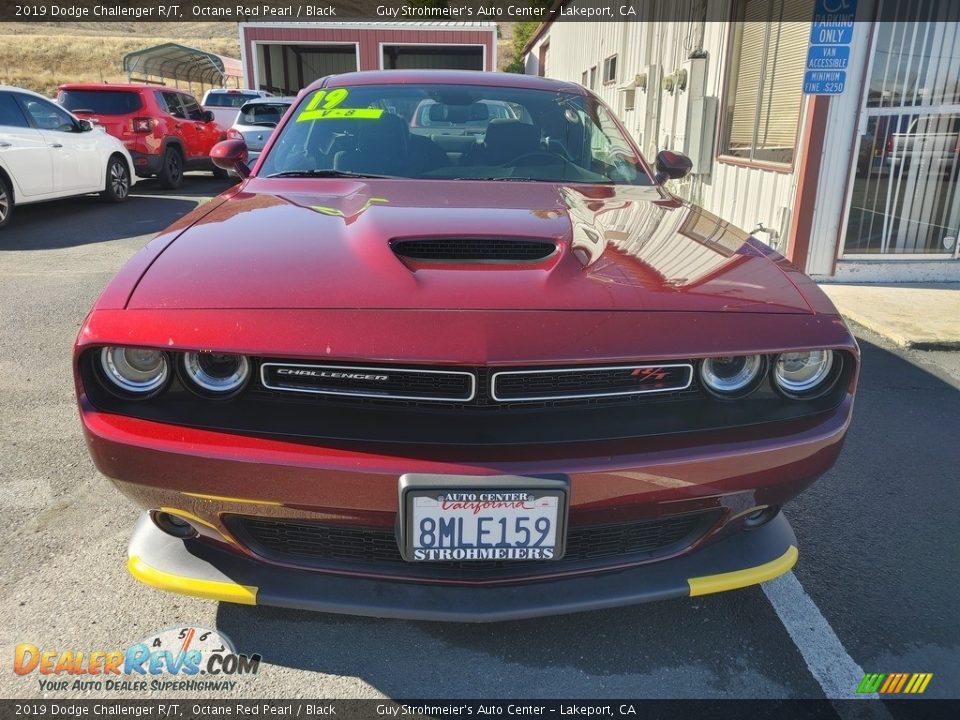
47, 153
225, 104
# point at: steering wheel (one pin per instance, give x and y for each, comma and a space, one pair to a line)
531, 157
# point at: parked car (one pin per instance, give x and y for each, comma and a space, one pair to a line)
165, 130
225, 103
522, 381
928, 139
256, 121
47, 153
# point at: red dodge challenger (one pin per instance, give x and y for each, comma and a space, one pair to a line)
474, 367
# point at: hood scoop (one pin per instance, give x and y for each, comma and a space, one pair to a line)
473, 250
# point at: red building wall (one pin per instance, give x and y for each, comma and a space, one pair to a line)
369, 40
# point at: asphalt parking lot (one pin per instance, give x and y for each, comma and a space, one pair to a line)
875, 589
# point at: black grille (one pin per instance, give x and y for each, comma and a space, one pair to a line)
474, 250
553, 384
372, 549
389, 383
597, 387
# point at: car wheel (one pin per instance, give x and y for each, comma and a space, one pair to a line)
171, 171
220, 173
117, 188
6, 203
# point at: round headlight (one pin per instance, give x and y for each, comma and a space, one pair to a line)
732, 376
803, 373
215, 373
135, 371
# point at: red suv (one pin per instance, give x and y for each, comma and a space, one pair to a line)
165, 129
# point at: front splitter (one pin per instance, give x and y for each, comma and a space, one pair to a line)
202, 570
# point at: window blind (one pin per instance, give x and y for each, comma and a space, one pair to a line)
765, 86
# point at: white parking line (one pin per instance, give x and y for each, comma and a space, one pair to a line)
826, 658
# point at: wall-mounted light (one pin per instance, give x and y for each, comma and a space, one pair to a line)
681, 78
639, 82
675, 81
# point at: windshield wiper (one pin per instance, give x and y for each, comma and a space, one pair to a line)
325, 174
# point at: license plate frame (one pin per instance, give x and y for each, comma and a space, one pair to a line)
413, 485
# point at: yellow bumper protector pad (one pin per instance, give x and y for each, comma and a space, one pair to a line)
209, 589
742, 578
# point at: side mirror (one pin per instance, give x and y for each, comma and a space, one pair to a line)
231, 155
672, 166
85, 125
207, 116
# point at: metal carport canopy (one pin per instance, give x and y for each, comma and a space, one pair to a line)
180, 62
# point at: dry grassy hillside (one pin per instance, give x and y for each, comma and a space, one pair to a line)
40, 56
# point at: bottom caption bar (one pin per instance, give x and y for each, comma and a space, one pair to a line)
864, 709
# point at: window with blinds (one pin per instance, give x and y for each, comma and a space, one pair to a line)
765, 80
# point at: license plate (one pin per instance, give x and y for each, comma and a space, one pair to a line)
465, 519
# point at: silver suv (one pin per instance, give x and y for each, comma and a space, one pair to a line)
256, 121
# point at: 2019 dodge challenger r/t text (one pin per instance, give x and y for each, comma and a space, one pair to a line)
471, 369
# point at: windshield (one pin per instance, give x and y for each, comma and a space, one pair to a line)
101, 102
267, 114
228, 99
454, 132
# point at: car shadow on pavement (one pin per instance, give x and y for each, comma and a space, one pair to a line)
86, 219
668, 649
201, 185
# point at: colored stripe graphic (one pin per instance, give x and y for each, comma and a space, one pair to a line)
871, 682
894, 683
918, 683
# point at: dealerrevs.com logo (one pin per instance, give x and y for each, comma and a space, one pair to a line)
181, 658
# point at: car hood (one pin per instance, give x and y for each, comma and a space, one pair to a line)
326, 243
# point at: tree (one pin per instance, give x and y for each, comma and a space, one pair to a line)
522, 32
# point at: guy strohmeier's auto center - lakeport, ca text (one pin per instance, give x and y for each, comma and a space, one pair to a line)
297, 10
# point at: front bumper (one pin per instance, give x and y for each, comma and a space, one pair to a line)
204, 570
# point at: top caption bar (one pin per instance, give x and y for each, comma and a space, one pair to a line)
453, 11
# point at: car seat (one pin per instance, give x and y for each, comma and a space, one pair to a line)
506, 139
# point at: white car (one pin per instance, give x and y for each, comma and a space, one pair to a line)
47, 153
225, 103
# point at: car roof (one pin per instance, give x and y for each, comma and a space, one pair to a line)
289, 100
447, 77
119, 86
232, 91
11, 88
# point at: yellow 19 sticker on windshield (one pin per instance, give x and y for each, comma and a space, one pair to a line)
325, 106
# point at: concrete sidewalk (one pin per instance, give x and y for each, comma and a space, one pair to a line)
921, 316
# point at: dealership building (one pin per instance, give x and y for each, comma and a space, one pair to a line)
286, 57
856, 186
